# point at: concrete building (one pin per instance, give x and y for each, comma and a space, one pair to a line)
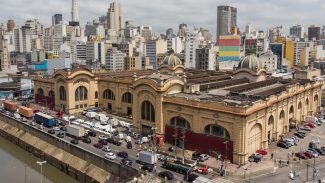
75, 11
182, 29
297, 32
226, 20
48, 66
57, 19
10, 25
95, 53
37, 56
313, 33
23, 42
127, 48
115, 20
59, 36
192, 42
175, 43
305, 57
246, 108
153, 48
278, 50
206, 58
146, 32
115, 60
298, 47
4, 55
269, 61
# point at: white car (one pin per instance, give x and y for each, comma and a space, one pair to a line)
110, 156
103, 137
56, 128
106, 149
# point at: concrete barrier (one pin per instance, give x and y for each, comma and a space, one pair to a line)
123, 172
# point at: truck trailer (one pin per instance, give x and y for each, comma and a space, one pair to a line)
25, 111
10, 106
44, 119
75, 131
146, 157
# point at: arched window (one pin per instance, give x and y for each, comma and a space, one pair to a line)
217, 130
271, 120
96, 95
307, 102
299, 105
81, 93
282, 114
127, 98
108, 95
291, 110
316, 98
51, 94
40, 91
147, 111
180, 122
63, 94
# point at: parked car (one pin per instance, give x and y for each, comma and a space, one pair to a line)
312, 145
122, 154
127, 162
104, 142
305, 128
147, 167
86, 140
308, 154
314, 153
60, 135
63, 128
300, 135
190, 177
56, 128
107, 149
320, 151
203, 157
283, 145
98, 145
92, 133
196, 155
74, 141
103, 137
255, 158
261, 152
129, 145
113, 141
110, 156
290, 142
310, 125
301, 155
166, 174
51, 131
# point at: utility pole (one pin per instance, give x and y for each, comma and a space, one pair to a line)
175, 138
226, 142
41, 164
183, 137
307, 169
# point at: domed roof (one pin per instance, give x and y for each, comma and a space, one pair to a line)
250, 62
171, 59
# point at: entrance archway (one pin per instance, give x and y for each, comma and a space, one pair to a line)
255, 138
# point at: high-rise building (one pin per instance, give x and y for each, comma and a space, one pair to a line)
278, 50
146, 32
313, 33
226, 20
153, 48
192, 42
10, 25
95, 52
115, 59
23, 42
229, 48
75, 11
297, 32
269, 61
182, 29
115, 19
205, 58
56, 19
4, 55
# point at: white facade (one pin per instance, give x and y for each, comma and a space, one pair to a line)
95, 52
22, 40
298, 47
176, 44
269, 61
192, 42
115, 60
205, 58
115, 19
75, 11
59, 34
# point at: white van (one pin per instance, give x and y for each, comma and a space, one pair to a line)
91, 115
16, 116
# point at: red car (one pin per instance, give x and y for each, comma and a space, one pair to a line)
308, 155
301, 155
311, 125
98, 145
261, 152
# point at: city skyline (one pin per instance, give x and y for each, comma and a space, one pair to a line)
263, 14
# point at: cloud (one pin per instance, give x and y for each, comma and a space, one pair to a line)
163, 14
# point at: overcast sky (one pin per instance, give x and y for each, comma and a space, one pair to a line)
162, 14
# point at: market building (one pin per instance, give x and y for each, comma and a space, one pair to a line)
233, 113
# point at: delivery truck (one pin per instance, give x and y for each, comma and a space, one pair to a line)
101, 117
75, 131
25, 111
44, 119
146, 157
10, 106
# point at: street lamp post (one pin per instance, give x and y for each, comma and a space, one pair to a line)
154, 139
226, 143
41, 164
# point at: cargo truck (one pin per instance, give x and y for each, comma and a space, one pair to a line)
146, 157
25, 111
10, 106
177, 166
75, 131
44, 119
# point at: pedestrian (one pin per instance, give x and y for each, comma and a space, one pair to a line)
288, 162
272, 156
280, 162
